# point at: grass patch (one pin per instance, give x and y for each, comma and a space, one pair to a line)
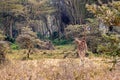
55, 54
61, 41
58, 53
14, 46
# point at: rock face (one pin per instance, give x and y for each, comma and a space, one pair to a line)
54, 19
56, 22
63, 15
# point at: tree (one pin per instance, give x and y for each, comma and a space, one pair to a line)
9, 10
110, 15
73, 31
13, 12
26, 40
111, 48
76, 10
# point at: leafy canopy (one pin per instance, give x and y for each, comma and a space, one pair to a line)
11, 6
108, 13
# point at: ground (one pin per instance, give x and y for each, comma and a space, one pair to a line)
50, 65
58, 53
59, 69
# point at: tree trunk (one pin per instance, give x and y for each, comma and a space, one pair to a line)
11, 29
28, 54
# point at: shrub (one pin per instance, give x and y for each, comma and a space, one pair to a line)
26, 39
73, 31
61, 41
93, 42
55, 35
14, 46
39, 35
111, 48
8, 38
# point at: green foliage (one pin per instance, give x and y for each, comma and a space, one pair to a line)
93, 26
14, 46
93, 42
39, 35
93, 36
73, 31
108, 13
55, 35
8, 38
11, 6
22, 11
61, 41
111, 47
26, 39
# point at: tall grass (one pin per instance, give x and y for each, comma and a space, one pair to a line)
58, 69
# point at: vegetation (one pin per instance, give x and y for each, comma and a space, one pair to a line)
27, 40
51, 35
111, 48
58, 69
109, 15
4, 48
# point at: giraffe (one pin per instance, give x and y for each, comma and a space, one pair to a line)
81, 47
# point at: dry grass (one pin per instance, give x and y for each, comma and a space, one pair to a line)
59, 69
59, 53
19, 55
50, 65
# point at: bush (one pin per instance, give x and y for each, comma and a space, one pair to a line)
93, 42
73, 31
61, 41
39, 35
55, 35
111, 47
26, 40
8, 38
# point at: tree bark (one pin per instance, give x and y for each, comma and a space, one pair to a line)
11, 28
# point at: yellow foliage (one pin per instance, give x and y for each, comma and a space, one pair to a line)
108, 13
11, 5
